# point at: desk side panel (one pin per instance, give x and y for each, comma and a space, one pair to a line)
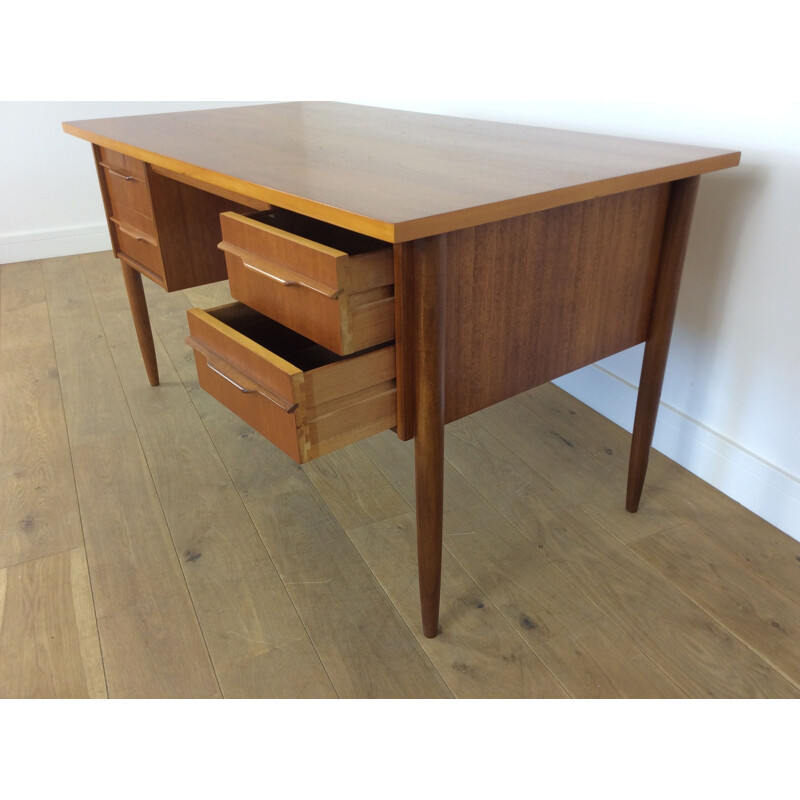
188, 223
534, 297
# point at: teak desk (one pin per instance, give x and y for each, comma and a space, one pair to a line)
399, 270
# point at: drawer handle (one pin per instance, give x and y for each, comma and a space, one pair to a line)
288, 277
255, 389
229, 379
214, 363
134, 234
325, 291
118, 174
275, 278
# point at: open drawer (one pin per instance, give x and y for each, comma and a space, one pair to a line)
332, 285
303, 398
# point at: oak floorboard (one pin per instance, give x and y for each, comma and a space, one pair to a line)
151, 642
669, 489
363, 643
592, 482
478, 653
38, 502
588, 653
256, 640
730, 592
695, 651
49, 644
208, 296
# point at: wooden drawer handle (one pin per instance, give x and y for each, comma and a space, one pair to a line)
325, 291
122, 175
237, 378
288, 278
269, 275
133, 233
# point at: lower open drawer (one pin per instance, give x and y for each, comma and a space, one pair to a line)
305, 399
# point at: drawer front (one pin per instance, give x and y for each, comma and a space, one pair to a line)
303, 398
132, 218
140, 247
126, 181
335, 288
125, 190
122, 163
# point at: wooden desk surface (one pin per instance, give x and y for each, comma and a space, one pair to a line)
395, 175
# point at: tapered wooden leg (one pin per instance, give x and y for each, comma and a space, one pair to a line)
673, 252
428, 261
141, 320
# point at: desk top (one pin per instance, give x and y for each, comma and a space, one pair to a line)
395, 175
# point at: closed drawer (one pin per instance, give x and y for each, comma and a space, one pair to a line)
125, 164
126, 181
332, 285
134, 219
140, 247
303, 398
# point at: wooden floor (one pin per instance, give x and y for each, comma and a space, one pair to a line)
151, 545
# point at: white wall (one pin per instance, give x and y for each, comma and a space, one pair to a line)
693, 71
50, 203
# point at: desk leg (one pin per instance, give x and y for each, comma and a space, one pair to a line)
141, 320
428, 263
673, 251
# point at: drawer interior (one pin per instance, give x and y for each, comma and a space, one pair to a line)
278, 339
322, 232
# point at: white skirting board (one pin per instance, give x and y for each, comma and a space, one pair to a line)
763, 488
33, 245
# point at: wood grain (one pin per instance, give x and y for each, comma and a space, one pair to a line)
395, 175
591, 467
256, 640
48, 632
141, 320
655, 614
38, 504
152, 645
588, 460
578, 643
362, 642
283, 266
743, 602
188, 226
299, 396
128, 192
478, 654
535, 297
429, 265
673, 250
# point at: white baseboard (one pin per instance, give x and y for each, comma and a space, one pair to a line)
768, 491
33, 245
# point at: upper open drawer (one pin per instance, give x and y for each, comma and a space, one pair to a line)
330, 284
